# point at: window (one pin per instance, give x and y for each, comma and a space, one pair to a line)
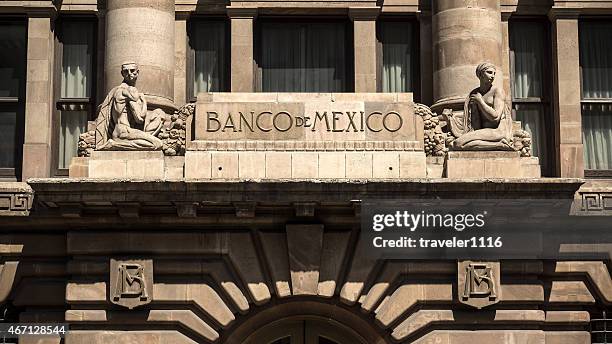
529, 56
12, 96
601, 328
596, 72
304, 57
397, 40
209, 43
76, 101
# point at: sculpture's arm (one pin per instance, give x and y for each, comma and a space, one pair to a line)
137, 104
492, 113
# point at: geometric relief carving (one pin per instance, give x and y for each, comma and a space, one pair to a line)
15, 204
478, 283
598, 203
131, 282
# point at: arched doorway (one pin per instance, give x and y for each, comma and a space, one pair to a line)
320, 321
305, 330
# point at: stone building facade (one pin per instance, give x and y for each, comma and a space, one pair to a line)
243, 226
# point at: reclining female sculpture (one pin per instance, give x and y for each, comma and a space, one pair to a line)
486, 123
121, 115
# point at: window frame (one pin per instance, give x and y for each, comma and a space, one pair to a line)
14, 173
590, 173
416, 60
349, 68
190, 61
545, 101
71, 104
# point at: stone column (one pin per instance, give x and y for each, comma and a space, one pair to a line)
364, 33
142, 31
38, 119
242, 72
465, 33
566, 95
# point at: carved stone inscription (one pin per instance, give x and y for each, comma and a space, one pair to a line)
478, 283
307, 121
131, 282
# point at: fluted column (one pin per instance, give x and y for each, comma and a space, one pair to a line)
142, 31
465, 33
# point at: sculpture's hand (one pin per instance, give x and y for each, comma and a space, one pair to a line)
477, 97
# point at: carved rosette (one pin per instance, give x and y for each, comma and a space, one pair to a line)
434, 137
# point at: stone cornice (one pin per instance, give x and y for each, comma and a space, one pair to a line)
563, 13
364, 13
242, 12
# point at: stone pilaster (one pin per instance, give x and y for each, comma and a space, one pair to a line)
465, 33
566, 95
142, 31
426, 58
243, 78
506, 55
180, 61
38, 119
364, 32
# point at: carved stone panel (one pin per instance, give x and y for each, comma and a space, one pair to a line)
131, 282
478, 283
16, 199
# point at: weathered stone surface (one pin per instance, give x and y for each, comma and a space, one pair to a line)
127, 164
305, 244
123, 337
490, 165
570, 292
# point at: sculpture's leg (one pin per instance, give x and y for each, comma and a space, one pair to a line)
154, 121
135, 134
492, 135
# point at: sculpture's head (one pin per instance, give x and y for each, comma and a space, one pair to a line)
130, 72
486, 72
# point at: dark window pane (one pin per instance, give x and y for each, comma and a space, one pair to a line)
77, 57
306, 57
527, 45
208, 40
12, 58
72, 124
397, 55
326, 341
597, 136
596, 59
532, 120
8, 138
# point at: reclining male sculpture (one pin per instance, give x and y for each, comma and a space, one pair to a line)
123, 113
486, 123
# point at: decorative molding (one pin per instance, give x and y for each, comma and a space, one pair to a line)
595, 203
306, 146
15, 199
